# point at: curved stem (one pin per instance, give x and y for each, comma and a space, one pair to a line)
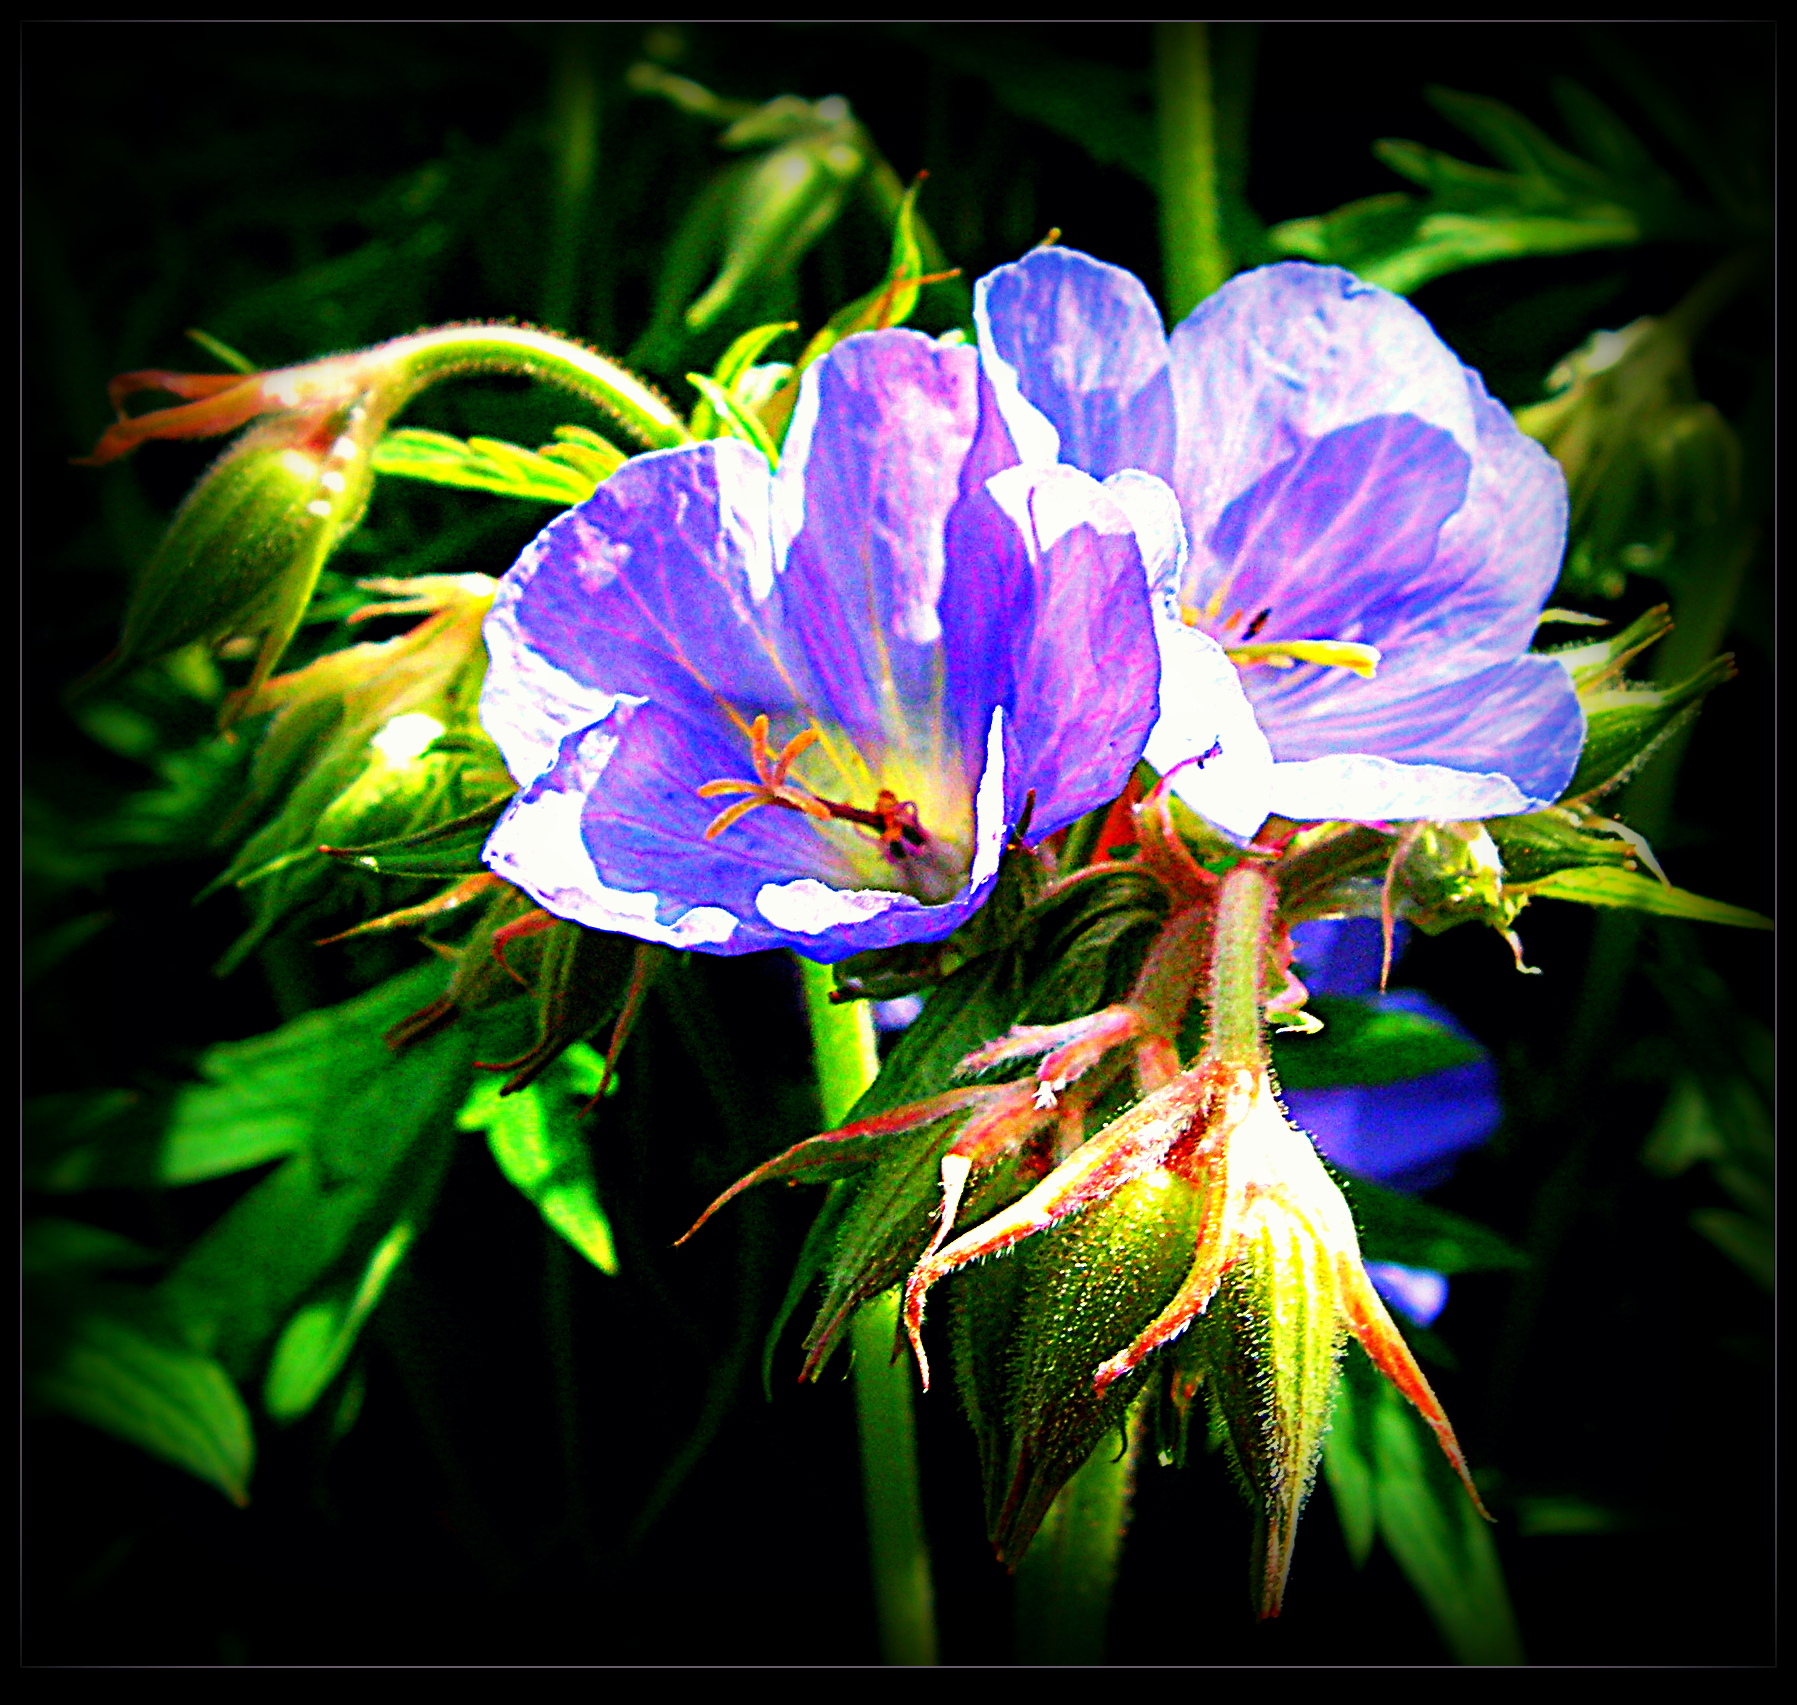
434, 355
847, 1062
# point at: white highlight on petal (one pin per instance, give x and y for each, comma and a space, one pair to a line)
990, 830
1160, 530
810, 907
539, 847
1203, 708
405, 737
1032, 432
1362, 788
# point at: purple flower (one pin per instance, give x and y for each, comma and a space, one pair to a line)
1368, 537
752, 709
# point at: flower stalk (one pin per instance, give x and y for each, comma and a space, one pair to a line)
847, 1061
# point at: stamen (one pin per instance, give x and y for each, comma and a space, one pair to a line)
1348, 654
894, 820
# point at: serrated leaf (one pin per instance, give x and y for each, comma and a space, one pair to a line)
1379, 1453
1415, 1233
1633, 891
1550, 201
1364, 1041
446, 849
481, 464
153, 1393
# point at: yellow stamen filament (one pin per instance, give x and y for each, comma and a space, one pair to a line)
1362, 660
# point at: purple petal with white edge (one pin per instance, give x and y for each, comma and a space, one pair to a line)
1047, 606
1417, 1293
1206, 739
612, 837
870, 471
600, 605
1504, 740
1085, 344
1284, 355
1153, 511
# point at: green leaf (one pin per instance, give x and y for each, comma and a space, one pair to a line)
318, 1338
735, 420
1379, 1453
483, 464
1364, 1041
1634, 891
732, 370
369, 1125
154, 1393
1415, 1233
447, 849
534, 1134
53, 1248
1543, 842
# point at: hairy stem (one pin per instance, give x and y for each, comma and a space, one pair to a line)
847, 1062
1235, 1026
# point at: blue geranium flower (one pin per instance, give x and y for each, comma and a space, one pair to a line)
1407, 1135
1370, 537
807, 708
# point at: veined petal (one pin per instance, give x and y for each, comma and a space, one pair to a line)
601, 605
1085, 344
1507, 737
1288, 354
870, 471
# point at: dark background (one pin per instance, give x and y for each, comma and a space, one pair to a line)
552, 1466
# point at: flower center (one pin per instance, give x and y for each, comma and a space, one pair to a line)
894, 820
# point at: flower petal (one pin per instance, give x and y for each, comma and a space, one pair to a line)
871, 469
1047, 606
600, 605
1504, 740
1084, 343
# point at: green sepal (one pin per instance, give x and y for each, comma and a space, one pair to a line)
534, 1135
1542, 842
245, 548
1388, 1477
586, 977
566, 472
1413, 1233
1633, 891
1031, 1329
1361, 1042
732, 374
1625, 723
445, 849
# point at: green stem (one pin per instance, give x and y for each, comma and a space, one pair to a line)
1195, 253
842, 1038
1235, 987
434, 355
1066, 1578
